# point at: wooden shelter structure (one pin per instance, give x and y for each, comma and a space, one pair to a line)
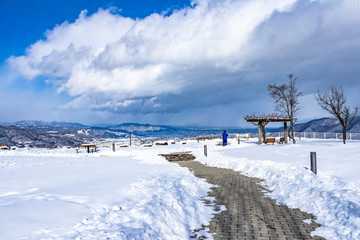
262, 121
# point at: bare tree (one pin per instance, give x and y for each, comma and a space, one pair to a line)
334, 102
286, 98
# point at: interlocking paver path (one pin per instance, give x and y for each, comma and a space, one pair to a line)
250, 214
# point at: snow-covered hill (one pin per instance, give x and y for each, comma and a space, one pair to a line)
36, 123
137, 127
36, 136
326, 125
21, 137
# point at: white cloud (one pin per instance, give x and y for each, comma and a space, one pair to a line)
109, 54
216, 52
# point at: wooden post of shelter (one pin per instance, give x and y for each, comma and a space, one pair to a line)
259, 131
285, 132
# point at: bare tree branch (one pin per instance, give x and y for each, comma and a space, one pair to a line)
333, 101
286, 99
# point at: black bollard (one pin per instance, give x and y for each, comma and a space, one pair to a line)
113, 145
205, 150
313, 162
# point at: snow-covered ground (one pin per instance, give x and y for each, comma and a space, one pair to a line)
130, 194
135, 194
333, 195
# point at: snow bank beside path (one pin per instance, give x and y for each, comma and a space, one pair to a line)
333, 195
130, 194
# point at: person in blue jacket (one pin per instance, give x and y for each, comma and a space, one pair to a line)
224, 137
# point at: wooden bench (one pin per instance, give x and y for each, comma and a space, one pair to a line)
90, 147
281, 140
270, 140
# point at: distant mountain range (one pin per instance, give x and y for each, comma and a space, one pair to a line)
124, 127
327, 125
56, 134
34, 123
53, 134
31, 137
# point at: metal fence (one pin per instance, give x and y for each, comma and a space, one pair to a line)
314, 135
298, 135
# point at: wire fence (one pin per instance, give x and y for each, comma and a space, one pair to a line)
313, 135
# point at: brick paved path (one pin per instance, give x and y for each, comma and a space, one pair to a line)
249, 214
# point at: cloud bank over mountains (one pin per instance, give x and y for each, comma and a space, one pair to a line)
213, 53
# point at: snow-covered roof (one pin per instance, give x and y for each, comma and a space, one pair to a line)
268, 118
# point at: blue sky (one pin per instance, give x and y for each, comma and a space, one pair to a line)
24, 22
205, 62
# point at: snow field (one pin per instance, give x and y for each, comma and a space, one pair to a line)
130, 194
135, 194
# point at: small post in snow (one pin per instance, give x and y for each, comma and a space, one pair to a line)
113, 145
313, 162
205, 150
130, 138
